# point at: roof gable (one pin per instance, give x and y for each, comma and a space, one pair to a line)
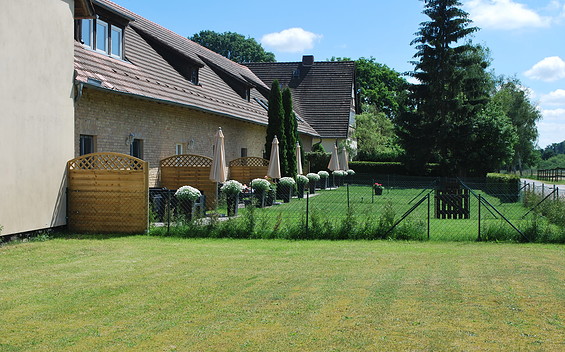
322, 92
155, 68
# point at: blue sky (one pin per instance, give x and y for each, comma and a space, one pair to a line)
526, 37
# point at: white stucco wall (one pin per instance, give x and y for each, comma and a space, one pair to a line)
36, 112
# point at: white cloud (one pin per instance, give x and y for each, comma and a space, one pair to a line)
549, 69
552, 127
504, 14
292, 40
555, 98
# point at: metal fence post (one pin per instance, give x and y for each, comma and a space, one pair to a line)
347, 186
168, 208
307, 206
479, 221
428, 216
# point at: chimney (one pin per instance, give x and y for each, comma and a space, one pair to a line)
307, 60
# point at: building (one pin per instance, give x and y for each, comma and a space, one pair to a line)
323, 94
37, 122
146, 91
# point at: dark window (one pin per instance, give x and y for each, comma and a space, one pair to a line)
194, 75
136, 148
243, 152
86, 144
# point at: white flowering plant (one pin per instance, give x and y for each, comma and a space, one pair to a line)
350, 172
339, 173
313, 177
301, 179
260, 184
231, 187
323, 174
287, 181
187, 193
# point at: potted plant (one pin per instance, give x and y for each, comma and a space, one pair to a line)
323, 179
338, 175
271, 194
286, 185
301, 182
187, 196
232, 189
260, 187
378, 188
312, 180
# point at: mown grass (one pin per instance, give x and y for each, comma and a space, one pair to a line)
167, 294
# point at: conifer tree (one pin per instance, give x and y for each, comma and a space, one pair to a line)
291, 133
453, 89
275, 125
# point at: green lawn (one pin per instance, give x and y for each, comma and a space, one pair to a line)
166, 294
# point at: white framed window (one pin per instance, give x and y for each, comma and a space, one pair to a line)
86, 32
116, 41
178, 149
101, 36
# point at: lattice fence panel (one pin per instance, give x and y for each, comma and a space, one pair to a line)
246, 169
108, 193
192, 170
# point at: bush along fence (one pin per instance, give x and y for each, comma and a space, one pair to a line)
383, 208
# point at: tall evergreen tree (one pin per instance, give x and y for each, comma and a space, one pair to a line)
275, 125
291, 133
453, 89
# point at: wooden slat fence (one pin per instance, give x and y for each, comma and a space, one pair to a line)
556, 174
246, 169
108, 193
189, 170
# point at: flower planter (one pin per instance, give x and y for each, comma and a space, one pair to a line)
270, 197
312, 187
187, 208
323, 183
300, 191
378, 191
286, 194
260, 199
232, 201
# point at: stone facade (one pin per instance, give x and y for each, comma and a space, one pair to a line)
112, 118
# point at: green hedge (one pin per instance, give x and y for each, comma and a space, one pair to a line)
389, 168
506, 187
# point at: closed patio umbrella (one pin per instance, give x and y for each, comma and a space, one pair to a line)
274, 170
219, 171
334, 160
343, 159
298, 160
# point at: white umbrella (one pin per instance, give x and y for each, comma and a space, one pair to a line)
298, 160
334, 160
274, 170
219, 171
343, 162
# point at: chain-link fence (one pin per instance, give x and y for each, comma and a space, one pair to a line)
365, 207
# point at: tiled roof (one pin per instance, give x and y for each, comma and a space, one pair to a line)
321, 93
147, 72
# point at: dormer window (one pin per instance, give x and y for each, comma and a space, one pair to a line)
102, 36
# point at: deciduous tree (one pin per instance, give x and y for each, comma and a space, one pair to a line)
234, 46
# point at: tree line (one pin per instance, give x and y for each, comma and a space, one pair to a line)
457, 113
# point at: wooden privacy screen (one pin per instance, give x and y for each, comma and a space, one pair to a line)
189, 170
246, 169
108, 193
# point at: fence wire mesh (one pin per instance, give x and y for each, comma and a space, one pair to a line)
373, 208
